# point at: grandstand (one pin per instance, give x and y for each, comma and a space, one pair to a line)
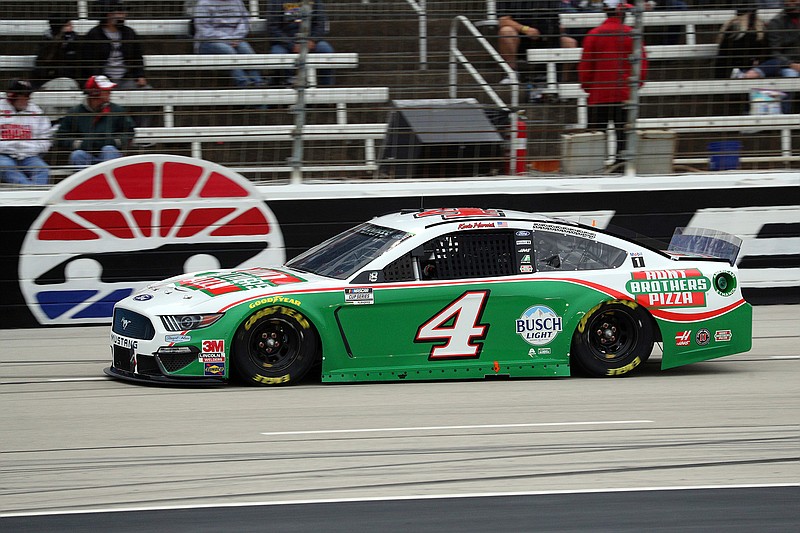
435, 52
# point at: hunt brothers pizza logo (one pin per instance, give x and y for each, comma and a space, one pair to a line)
669, 288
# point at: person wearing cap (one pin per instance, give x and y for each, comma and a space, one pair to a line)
604, 72
24, 134
113, 49
96, 130
58, 53
220, 27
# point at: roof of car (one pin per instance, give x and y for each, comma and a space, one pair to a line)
418, 219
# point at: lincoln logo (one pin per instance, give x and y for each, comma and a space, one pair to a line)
125, 323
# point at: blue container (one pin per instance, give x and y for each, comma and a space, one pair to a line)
724, 155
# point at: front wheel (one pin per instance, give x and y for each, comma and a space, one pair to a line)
275, 346
613, 339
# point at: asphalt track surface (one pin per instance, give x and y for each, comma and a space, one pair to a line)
713, 446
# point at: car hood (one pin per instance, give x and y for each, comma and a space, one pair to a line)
208, 291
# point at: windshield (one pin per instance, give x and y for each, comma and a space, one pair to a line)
345, 254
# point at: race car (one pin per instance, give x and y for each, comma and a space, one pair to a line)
446, 293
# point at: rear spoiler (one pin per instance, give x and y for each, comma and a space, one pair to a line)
705, 243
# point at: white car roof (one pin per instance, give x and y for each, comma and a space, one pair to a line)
414, 221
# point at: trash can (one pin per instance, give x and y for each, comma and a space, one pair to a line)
724, 155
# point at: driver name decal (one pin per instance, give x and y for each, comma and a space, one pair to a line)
669, 288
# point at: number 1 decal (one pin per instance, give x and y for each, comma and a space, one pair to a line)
458, 326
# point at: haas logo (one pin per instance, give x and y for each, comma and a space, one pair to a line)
111, 229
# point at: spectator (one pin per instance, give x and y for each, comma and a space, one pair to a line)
96, 130
284, 25
604, 71
58, 54
24, 134
114, 50
220, 27
783, 36
742, 42
529, 24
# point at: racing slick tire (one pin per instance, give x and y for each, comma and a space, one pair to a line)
613, 339
274, 346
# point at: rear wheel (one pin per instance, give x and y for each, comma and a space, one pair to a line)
275, 346
613, 339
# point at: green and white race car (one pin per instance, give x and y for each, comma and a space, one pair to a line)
442, 294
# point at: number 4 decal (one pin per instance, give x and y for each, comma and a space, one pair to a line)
458, 326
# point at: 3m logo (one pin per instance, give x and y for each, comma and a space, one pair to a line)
683, 338
110, 229
214, 346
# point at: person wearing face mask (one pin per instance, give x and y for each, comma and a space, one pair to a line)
24, 134
58, 53
96, 130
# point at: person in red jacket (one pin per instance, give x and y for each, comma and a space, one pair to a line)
605, 69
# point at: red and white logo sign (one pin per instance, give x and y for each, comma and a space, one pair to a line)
110, 229
683, 338
213, 351
723, 335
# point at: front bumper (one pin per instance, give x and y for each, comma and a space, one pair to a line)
153, 379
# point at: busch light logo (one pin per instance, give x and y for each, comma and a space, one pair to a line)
539, 325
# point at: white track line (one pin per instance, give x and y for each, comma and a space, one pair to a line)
436, 428
217, 504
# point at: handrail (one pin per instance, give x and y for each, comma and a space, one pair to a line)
421, 9
457, 58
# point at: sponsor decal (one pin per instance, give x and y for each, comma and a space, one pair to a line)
212, 351
669, 288
373, 277
177, 338
683, 338
459, 212
525, 259
124, 342
723, 335
524, 242
215, 284
566, 230
544, 351
637, 259
702, 337
539, 325
526, 268
143, 297
359, 295
523, 233
172, 214
532, 352
523, 250
213, 369
730, 288
274, 300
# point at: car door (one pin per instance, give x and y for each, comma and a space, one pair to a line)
454, 300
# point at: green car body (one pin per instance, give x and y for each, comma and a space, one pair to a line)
408, 313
